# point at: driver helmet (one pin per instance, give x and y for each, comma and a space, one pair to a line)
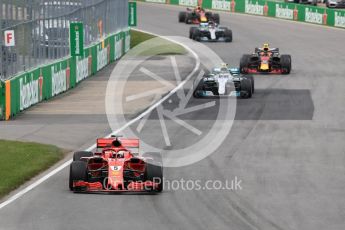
224, 70
224, 65
266, 47
120, 154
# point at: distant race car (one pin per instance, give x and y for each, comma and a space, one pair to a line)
210, 31
225, 81
197, 15
116, 167
266, 60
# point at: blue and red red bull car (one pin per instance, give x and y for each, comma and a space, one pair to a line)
197, 16
266, 60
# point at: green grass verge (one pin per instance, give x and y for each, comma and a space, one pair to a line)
21, 161
161, 47
139, 37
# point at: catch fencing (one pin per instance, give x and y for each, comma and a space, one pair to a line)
39, 66
41, 29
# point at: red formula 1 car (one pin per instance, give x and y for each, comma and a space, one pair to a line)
197, 15
116, 167
266, 60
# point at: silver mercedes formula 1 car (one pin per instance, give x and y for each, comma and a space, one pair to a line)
225, 81
210, 31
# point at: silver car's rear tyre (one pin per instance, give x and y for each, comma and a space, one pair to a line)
228, 35
246, 85
251, 78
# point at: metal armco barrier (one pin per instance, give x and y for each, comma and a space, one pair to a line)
43, 83
289, 11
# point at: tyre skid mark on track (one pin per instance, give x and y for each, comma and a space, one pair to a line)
244, 210
247, 214
262, 109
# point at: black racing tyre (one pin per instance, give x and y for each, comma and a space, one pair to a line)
154, 173
244, 62
228, 35
189, 18
251, 78
285, 63
80, 154
215, 92
78, 171
197, 93
246, 85
196, 35
191, 31
216, 18
182, 16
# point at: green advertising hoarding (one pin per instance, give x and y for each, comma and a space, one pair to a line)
186, 2
157, 1
339, 19
2, 100
132, 14
76, 39
225, 5
276, 9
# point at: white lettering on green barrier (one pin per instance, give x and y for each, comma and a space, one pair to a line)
221, 5
156, 1
313, 17
118, 48
77, 38
29, 93
339, 19
82, 69
59, 81
127, 43
188, 2
284, 13
251, 8
102, 58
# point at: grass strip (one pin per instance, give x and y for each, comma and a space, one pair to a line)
20, 161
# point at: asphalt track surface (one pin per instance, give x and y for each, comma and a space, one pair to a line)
286, 145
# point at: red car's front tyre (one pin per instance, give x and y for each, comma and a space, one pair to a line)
78, 172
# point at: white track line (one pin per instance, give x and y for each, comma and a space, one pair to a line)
64, 165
